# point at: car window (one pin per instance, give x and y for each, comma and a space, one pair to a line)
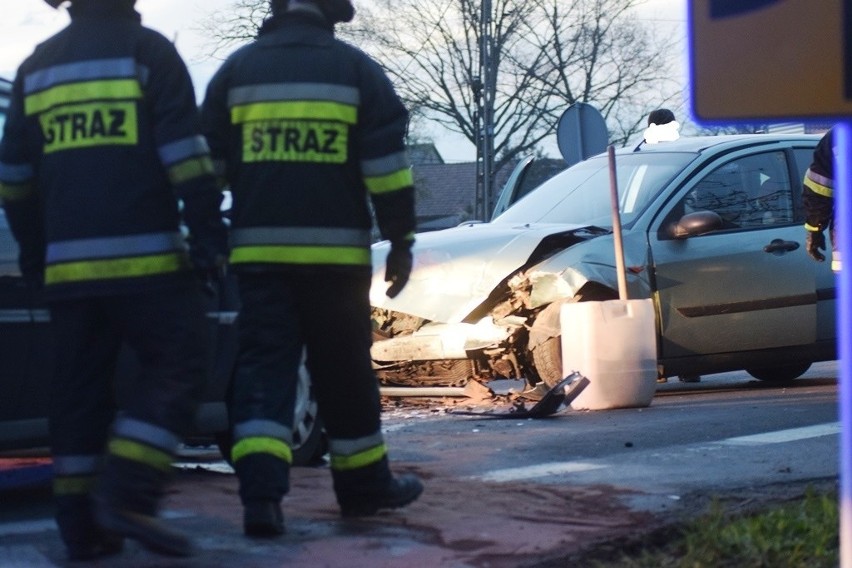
753, 191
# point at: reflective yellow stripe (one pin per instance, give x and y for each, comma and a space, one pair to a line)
73, 485
303, 110
106, 90
811, 228
301, 255
818, 188
114, 268
261, 445
190, 169
361, 459
134, 451
391, 182
15, 192
87, 125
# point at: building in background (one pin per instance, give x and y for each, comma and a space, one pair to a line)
446, 193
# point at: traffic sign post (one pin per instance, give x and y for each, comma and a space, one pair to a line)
783, 60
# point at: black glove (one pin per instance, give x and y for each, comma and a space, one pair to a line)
208, 235
398, 267
814, 243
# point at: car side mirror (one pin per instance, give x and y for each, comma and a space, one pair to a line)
694, 224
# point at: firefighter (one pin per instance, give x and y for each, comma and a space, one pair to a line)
818, 198
102, 143
304, 128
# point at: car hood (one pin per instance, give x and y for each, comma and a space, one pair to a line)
456, 269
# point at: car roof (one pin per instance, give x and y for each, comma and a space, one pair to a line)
721, 142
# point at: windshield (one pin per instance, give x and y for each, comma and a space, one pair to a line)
581, 194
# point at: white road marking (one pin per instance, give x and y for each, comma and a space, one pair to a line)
781, 436
539, 470
560, 468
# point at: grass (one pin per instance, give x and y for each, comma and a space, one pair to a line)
802, 533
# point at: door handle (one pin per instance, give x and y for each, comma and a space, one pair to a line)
780, 246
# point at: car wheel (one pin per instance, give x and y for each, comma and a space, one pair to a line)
780, 373
546, 333
309, 440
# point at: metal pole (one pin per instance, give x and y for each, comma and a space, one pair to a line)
488, 93
616, 226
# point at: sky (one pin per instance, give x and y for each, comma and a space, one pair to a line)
25, 23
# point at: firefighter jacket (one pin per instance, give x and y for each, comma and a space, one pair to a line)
101, 140
304, 128
818, 193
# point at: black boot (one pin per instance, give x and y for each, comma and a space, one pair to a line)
401, 491
83, 538
363, 491
150, 531
264, 480
126, 504
263, 519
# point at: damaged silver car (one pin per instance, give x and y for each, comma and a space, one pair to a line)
712, 232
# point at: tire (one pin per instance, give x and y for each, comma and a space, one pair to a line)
309, 441
780, 373
546, 335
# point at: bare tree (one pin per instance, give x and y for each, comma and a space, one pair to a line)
542, 57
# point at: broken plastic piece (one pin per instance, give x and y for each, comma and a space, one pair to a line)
558, 397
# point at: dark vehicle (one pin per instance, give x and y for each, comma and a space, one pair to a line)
26, 356
712, 232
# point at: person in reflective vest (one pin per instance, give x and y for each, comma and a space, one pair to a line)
309, 133
102, 159
818, 199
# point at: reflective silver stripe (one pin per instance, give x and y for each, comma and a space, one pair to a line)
41, 316
181, 150
822, 180
16, 173
264, 428
120, 68
351, 447
24, 316
77, 465
113, 247
15, 316
300, 236
385, 165
276, 92
147, 433
223, 318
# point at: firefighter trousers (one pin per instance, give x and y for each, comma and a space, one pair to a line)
121, 432
324, 316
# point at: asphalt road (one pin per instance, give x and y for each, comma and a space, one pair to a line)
503, 492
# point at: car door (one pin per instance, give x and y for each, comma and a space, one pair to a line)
748, 285
22, 382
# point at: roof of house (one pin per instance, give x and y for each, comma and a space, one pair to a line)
445, 194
